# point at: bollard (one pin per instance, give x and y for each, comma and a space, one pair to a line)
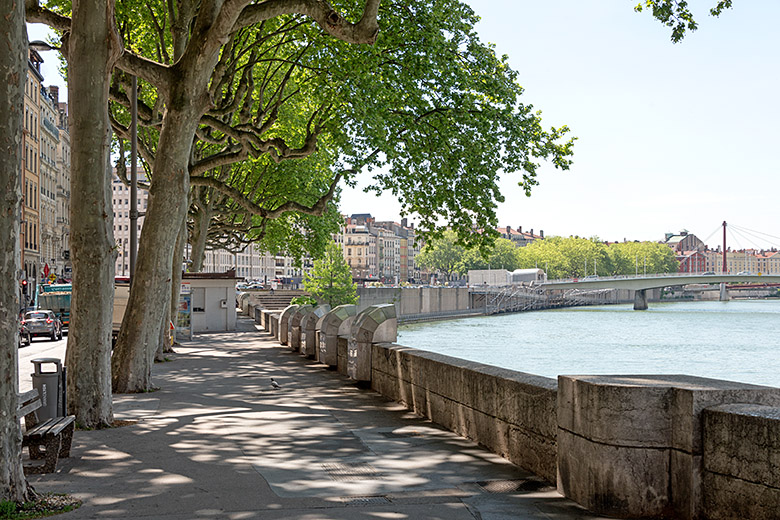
51, 389
330, 326
376, 324
284, 320
294, 333
309, 329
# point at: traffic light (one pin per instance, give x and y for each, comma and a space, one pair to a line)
24, 287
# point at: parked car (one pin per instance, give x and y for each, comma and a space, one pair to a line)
43, 323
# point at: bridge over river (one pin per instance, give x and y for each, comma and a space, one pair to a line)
641, 283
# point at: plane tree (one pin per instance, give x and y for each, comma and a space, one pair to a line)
433, 111
501, 255
427, 102
13, 71
565, 257
195, 34
678, 15
443, 254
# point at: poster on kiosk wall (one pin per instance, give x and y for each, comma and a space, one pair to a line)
184, 313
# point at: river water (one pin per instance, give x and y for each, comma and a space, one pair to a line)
735, 340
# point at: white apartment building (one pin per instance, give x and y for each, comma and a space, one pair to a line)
121, 202
62, 212
389, 255
252, 264
248, 263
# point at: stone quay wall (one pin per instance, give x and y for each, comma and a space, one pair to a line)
511, 413
418, 301
632, 446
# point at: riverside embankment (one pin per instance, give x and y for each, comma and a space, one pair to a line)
642, 446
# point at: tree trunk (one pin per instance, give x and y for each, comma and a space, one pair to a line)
186, 101
93, 47
149, 297
13, 72
159, 354
176, 267
200, 231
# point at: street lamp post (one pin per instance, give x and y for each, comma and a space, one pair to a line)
133, 175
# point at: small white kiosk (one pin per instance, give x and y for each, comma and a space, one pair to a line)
212, 301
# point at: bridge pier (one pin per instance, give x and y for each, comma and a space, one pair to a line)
724, 293
640, 300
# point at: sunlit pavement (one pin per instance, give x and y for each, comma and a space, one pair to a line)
218, 441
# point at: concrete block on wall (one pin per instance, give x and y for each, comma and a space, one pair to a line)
333, 324
741, 477
284, 323
630, 446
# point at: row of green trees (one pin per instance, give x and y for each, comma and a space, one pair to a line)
560, 257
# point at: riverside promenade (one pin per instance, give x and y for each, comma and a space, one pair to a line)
217, 441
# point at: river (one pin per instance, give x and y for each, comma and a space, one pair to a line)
737, 340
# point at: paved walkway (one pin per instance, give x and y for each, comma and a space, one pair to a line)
219, 442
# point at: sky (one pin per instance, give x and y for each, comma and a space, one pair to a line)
671, 137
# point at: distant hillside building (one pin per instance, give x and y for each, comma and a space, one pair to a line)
379, 251
519, 237
745, 260
691, 262
684, 241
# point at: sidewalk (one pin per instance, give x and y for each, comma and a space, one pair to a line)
218, 442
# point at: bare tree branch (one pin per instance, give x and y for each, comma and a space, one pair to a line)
148, 70
316, 209
333, 23
37, 14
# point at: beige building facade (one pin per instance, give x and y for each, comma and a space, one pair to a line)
31, 204
744, 261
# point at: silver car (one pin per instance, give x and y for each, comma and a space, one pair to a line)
43, 323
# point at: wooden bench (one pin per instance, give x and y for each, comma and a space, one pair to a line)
53, 435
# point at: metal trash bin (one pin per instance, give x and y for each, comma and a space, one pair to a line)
51, 388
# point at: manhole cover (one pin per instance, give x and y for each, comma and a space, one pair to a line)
364, 501
351, 471
512, 486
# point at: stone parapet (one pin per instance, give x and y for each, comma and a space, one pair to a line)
376, 324
741, 477
341, 361
630, 446
294, 326
265, 318
309, 345
511, 413
284, 324
337, 322
273, 322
